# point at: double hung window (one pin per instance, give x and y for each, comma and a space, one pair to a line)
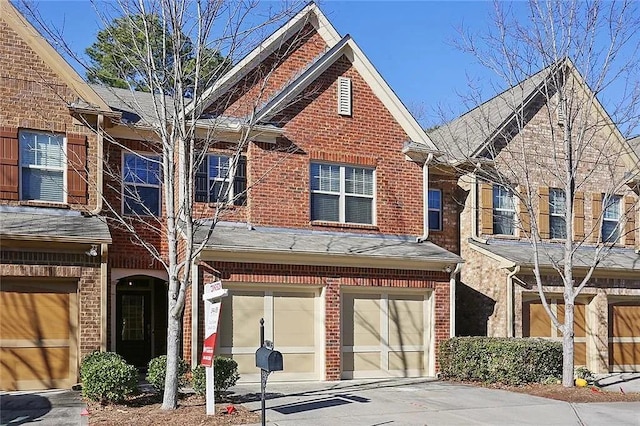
141, 184
435, 210
557, 224
342, 193
42, 166
215, 176
504, 212
611, 219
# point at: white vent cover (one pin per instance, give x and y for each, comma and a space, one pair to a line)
344, 96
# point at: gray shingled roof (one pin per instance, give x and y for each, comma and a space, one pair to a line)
464, 136
237, 237
136, 107
635, 144
43, 224
521, 253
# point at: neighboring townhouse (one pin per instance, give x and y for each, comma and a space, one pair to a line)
497, 292
334, 231
53, 244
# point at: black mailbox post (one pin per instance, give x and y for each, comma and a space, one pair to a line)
267, 360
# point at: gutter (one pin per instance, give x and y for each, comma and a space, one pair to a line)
425, 200
510, 276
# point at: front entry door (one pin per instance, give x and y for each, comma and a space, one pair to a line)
133, 327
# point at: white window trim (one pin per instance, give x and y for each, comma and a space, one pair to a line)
344, 96
233, 165
511, 210
552, 213
36, 167
440, 210
124, 184
342, 194
617, 221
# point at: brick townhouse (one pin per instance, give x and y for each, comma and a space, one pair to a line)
497, 293
337, 230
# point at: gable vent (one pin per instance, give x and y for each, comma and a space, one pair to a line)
344, 96
560, 116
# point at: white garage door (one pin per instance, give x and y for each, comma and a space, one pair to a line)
291, 322
385, 334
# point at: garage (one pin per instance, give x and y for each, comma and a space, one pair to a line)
624, 336
38, 335
536, 323
385, 334
292, 322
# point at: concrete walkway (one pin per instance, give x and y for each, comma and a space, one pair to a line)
53, 407
423, 402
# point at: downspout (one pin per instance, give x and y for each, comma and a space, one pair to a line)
195, 306
510, 321
104, 295
452, 300
99, 166
425, 200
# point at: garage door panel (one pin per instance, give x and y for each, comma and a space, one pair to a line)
246, 363
298, 363
406, 360
38, 344
538, 323
624, 336
579, 318
362, 321
240, 319
624, 354
293, 319
626, 320
406, 320
366, 361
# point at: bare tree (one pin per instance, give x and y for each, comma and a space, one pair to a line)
175, 132
562, 63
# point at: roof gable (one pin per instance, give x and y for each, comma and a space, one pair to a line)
348, 47
310, 14
49, 55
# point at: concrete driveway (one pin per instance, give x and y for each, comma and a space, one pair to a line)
53, 407
423, 402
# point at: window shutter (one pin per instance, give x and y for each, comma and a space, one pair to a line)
76, 168
596, 211
578, 215
543, 212
630, 227
344, 96
9, 169
523, 213
201, 181
240, 182
486, 208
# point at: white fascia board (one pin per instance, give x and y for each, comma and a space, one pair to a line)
311, 13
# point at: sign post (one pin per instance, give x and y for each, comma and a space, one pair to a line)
212, 297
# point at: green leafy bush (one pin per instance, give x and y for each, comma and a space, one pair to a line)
500, 360
106, 377
157, 372
583, 372
225, 375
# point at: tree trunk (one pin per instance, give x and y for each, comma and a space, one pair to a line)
567, 344
170, 398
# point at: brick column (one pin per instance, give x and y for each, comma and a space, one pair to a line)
332, 329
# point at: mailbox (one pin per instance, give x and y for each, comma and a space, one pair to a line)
268, 360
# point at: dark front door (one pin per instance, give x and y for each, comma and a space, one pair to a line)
133, 327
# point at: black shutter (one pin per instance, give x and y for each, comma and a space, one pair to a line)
201, 184
240, 182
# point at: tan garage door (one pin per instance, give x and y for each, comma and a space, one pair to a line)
385, 334
536, 323
624, 336
38, 339
291, 322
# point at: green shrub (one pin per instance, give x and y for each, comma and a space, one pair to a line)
157, 372
106, 377
225, 375
500, 360
583, 372
199, 380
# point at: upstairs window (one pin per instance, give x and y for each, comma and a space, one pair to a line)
435, 210
42, 166
611, 219
213, 180
504, 212
557, 224
342, 193
141, 184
